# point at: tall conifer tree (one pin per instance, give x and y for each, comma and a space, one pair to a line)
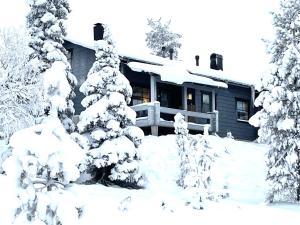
279, 117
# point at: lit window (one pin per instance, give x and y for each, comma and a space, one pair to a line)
242, 109
140, 95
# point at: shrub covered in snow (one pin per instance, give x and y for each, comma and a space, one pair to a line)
20, 86
108, 122
196, 160
45, 22
44, 160
279, 118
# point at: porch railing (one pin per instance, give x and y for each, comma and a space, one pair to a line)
153, 118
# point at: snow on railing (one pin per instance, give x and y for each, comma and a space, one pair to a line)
152, 115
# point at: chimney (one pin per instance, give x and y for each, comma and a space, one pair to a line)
163, 49
171, 52
216, 61
197, 60
98, 31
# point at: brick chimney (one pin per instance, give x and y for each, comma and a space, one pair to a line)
98, 31
197, 59
216, 61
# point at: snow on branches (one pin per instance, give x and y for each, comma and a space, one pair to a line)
279, 99
45, 22
21, 96
44, 160
196, 161
108, 121
160, 39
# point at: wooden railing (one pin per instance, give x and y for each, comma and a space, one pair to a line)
152, 117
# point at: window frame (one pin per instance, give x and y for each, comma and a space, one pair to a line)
210, 101
247, 111
142, 97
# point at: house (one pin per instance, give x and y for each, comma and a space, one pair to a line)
163, 87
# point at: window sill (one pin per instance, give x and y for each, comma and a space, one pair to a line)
243, 121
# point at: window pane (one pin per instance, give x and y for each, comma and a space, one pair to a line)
242, 110
140, 95
205, 99
205, 103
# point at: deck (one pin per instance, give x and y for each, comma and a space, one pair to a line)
152, 117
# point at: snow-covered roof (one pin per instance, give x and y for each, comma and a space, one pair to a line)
170, 70
175, 73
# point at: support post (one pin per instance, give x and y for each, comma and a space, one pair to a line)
214, 121
184, 100
216, 113
156, 118
153, 88
213, 100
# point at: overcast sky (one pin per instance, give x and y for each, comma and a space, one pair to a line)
233, 28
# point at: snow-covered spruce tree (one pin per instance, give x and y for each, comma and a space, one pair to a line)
45, 22
279, 118
108, 121
160, 36
44, 160
196, 160
20, 86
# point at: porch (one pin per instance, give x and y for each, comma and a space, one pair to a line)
152, 115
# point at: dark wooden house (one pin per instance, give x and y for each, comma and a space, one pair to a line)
163, 87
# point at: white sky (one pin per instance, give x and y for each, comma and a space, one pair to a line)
233, 28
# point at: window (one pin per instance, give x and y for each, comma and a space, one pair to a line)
242, 109
191, 106
140, 95
206, 102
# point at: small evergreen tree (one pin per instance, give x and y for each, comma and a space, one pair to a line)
160, 39
108, 122
45, 22
196, 160
44, 160
279, 120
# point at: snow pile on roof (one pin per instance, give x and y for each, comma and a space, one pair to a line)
174, 72
219, 74
143, 55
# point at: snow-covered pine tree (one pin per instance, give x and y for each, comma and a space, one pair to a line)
196, 159
108, 122
279, 117
20, 87
45, 22
161, 36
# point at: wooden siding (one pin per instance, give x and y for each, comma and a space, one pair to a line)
83, 59
226, 105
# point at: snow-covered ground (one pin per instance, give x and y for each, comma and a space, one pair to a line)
240, 166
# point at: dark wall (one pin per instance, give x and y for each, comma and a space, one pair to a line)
82, 61
226, 105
